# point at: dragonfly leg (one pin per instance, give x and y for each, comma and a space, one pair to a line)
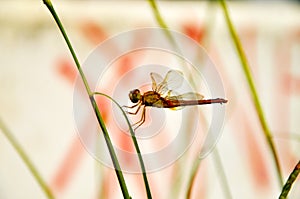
137, 110
131, 106
142, 120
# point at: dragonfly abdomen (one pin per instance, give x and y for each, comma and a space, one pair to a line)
177, 103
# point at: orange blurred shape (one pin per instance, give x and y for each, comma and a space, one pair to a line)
194, 31
93, 32
199, 187
107, 185
68, 166
126, 63
291, 84
103, 107
125, 142
123, 139
255, 156
66, 69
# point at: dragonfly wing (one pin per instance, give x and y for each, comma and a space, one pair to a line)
156, 79
173, 96
185, 96
172, 81
190, 96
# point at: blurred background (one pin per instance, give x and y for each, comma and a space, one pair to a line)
37, 77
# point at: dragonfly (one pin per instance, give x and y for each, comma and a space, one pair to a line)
163, 95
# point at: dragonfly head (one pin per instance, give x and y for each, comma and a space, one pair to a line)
135, 95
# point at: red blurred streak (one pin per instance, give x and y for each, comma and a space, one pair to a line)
68, 166
70, 161
199, 189
291, 84
123, 139
103, 106
194, 31
126, 64
254, 150
125, 142
282, 62
283, 85
228, 82
66, 69
107, 184
249, 41
93, 32
130, 60
255, 153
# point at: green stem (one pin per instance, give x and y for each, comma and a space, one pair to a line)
135, 145
111, 150
220, 170
288, 185
157, 14
162, 23
255, 98
62, 30
93, 102
26, 160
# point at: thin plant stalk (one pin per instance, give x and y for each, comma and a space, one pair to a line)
159, 18
157, 14
255, 98
161, 22
222, 175
93, 102
191, 179
288, 185
135, 144
13, 141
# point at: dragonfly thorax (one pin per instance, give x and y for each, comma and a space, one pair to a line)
152, 98
135, 95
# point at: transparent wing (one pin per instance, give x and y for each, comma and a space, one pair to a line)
156, 79
191, 96
172, 81
186, 96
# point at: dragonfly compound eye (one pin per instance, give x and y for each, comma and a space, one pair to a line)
135, 95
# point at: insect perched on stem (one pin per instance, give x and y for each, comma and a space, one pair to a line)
161, 95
